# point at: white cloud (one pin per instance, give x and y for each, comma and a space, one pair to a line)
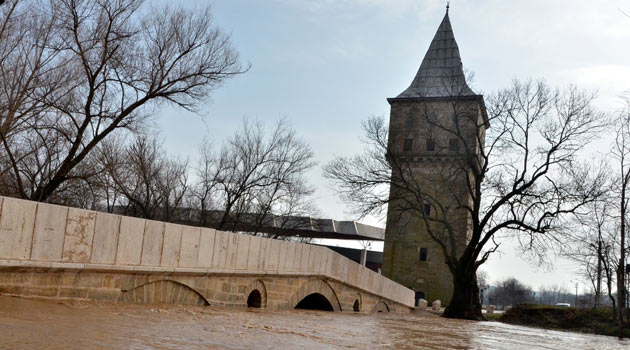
610, 81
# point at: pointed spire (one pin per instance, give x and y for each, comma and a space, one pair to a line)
441, 73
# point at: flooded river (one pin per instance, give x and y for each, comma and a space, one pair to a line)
36, 324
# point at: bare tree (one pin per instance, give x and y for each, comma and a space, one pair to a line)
29, 70
551, 295
483, 281
255, 177
114, 63
142, 180
621, 154
609, 267
205, 190
592, 240
520, 182
510, 292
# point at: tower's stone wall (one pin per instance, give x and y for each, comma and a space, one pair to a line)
441, 172
436, 131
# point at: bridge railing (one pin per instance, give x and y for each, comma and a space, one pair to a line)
41, 234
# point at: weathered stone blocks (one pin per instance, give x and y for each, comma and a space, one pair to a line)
190, 246
273, 255
77, 246
232, 251
73, 293
206, 247
290, 260
41, 291
219, 255
243, 242
50, 227
282, 256
105, 240
130, 241
152, 243
254, 253
422, 304
16, 228
172, 243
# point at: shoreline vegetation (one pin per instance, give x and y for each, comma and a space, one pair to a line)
584, 320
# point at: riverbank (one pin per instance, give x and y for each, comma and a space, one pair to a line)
584, 320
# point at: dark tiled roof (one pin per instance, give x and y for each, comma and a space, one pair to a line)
441, 73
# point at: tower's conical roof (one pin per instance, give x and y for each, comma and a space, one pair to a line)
441, 73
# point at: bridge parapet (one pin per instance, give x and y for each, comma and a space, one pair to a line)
49, 237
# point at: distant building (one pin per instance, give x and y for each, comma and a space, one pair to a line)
438, 95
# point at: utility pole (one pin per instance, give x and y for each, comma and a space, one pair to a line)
576, 292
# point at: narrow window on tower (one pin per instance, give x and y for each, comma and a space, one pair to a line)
430, 145
427, 209
408, 145
453, 145
423, 254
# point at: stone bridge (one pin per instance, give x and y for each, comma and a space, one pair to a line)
60, 252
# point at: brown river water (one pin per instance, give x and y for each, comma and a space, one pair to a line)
47, 324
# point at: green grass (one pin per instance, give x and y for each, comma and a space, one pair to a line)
587, 320
493, 317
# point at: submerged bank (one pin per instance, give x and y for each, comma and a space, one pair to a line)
586, 320
50, 324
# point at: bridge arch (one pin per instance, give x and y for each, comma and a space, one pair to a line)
381, 306
315, 301
357, 304
256, 295
313, 289
164, 291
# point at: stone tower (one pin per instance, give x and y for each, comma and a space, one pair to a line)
432, 123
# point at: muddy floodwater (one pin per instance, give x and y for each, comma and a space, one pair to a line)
38, 324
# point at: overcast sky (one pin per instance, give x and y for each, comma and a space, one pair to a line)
327, 65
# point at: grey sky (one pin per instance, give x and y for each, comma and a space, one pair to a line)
326, 65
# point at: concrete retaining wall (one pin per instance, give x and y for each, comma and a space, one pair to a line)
56, 239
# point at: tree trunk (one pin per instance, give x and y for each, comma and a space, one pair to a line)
598, 288
622, 258
614, 306
621, 293
610, 296
620, 298
465, 303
